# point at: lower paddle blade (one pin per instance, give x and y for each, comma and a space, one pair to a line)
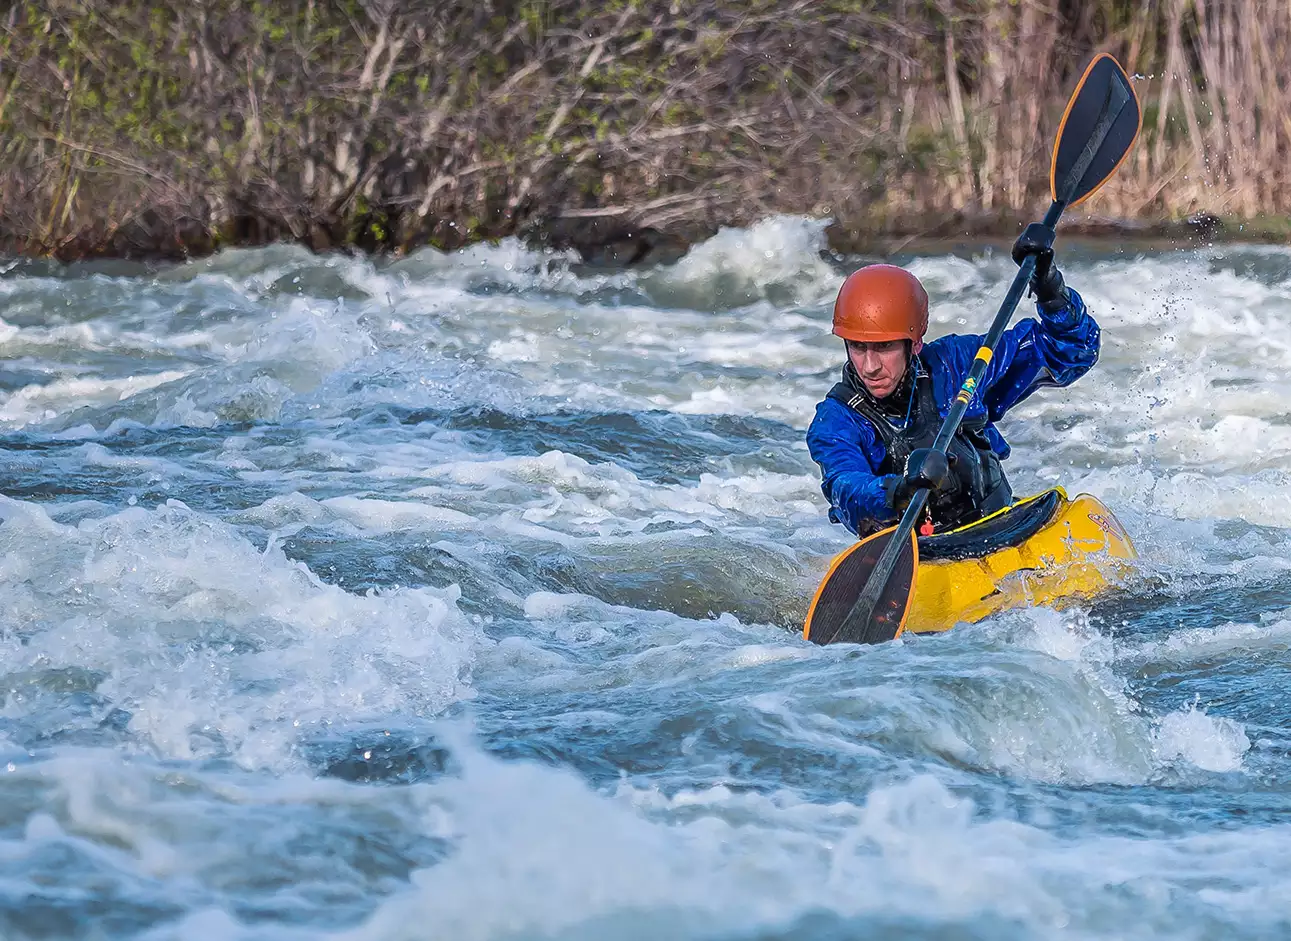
850, 607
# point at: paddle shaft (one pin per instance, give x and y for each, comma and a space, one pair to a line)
1115, 102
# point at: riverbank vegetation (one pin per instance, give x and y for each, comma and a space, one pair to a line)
167, 128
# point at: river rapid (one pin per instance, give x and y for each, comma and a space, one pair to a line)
456, 597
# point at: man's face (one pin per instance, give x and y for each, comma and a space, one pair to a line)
880, 365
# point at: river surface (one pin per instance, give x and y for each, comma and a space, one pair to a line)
456, 596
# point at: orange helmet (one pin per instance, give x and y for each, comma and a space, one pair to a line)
879, 303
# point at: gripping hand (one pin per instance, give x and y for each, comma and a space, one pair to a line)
1046, 283
925, 469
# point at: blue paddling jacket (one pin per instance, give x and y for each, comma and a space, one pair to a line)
1054, 350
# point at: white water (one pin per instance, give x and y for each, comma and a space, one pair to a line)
453, 597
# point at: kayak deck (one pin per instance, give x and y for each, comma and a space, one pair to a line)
1040, 551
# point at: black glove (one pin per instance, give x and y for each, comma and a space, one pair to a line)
924, 469
1046, 284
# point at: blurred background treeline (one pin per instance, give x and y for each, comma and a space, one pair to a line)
163, 127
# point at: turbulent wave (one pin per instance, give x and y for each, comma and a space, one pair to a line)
458, 594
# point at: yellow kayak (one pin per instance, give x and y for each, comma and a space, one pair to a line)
1041, 550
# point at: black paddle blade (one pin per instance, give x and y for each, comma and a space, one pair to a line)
1097, 131
883, 605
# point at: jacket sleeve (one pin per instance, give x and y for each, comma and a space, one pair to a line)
1055, 349
838, 443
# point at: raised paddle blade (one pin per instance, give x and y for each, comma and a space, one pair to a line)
875, 619
1097, 131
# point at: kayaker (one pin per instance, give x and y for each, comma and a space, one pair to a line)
872, 434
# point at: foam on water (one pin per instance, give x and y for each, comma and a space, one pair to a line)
1208, 743
562, 490
1139, 746
231, 372
541, 855
780, 257
283, 514
1203, 644
210, 647
45, 402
